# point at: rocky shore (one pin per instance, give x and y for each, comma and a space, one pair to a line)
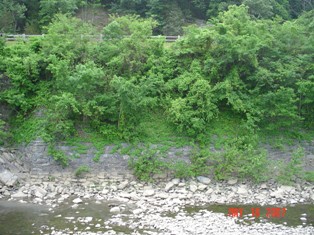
141, 206
133, 207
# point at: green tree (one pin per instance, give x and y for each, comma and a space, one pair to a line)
48, 9
11, 15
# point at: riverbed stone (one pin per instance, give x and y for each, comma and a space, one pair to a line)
202, 187
19, 194
232, 181
175, 181
77, 200
149, 192
203, 180
242, 190
137, 211
123, 185
115, 209
193, 188
169, 186
38, 191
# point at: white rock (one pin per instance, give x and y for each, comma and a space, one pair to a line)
19, 195
137, 211
149, 192
115, 209
209, 191
202, 187
242, 190
88, 219
169, 186
193, 188
162, 195
8, 178
232, 181
175, 181
38, 191
203, 179
77, 200
123, 185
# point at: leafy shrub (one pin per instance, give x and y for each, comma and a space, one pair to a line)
58, 156
146, 164
293, 169
81, 170
241, 159
3, 134
181, 170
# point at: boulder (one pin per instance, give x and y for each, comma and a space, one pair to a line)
115, 209
38, 192
169, 186
77, 200
175, 181
123, 185
202, 187
232, 181
19, 194
193, 188
149, 192
137, 211
7, 178
203, 180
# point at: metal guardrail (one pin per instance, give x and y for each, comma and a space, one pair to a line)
15, 37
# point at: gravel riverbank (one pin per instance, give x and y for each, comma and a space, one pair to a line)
143, 208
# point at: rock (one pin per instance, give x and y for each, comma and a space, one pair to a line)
105, 191
242, 190
193, 188
232, 181
209, 191
115, 209
7, 178
6, 193
261, 197
202, 187
175, 181
149, 192
38, 191
263, 186
125, 195
169, 186
162, 195
203, 179
278, 193
88, 219
137, 211
19, 195
123, 185
38, 200
77, 200
286, 188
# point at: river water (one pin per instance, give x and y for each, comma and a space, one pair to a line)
19, 218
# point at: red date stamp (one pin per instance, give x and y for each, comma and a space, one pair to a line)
271, 212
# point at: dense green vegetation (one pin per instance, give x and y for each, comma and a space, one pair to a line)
31, 16
231, 82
